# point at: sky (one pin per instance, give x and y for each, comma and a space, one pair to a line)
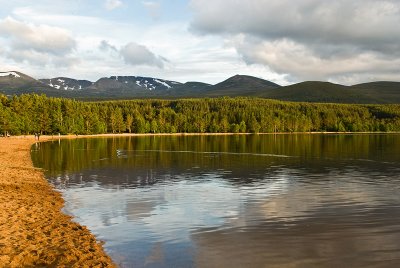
283, 41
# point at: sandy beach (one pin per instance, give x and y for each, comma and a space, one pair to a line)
33, 230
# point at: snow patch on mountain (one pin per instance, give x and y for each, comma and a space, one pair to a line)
64, 83
154, 83
121, 82
9, 74
60, 83
147, 83
162, 83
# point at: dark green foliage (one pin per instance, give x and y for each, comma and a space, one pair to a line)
27, 114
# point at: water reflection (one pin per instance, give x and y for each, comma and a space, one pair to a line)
235, 201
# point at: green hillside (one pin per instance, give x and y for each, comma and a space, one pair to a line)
380, 92
241, 85
314, 91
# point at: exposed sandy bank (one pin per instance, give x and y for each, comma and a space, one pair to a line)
33, 230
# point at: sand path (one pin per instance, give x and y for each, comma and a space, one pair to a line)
33, 230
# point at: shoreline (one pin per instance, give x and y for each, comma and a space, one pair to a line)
71, 136
33, 229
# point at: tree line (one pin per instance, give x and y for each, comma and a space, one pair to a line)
32, 113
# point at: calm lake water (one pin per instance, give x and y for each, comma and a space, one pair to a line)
234, 201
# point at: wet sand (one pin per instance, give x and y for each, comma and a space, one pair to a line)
33, 230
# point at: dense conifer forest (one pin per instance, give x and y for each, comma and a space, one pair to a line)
28, 114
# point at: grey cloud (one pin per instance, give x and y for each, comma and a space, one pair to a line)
66, 62
106, 46
306, 38
32, 57
42, 59
135, 54
302, 63
339, 22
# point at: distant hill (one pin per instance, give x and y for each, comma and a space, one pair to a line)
315, 91
16, 83
16, 80
188, 89
65, 83
380, 92
241, 85
12, 83
238, 85
124, 87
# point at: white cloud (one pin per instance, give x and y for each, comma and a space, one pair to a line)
136, 54
308, 39
41, 38
99, 40
112, 4
37, 44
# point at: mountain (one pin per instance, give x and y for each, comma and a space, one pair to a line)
17, 79
241, 85
113, 86
124, 87
130, 86
146, 82
135, 83
315, 91
65, 83
188, 89
381, 92
18, 83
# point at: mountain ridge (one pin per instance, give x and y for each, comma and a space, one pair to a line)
120, 87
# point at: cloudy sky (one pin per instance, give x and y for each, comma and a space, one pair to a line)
284, 41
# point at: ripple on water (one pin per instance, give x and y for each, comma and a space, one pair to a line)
275, 202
